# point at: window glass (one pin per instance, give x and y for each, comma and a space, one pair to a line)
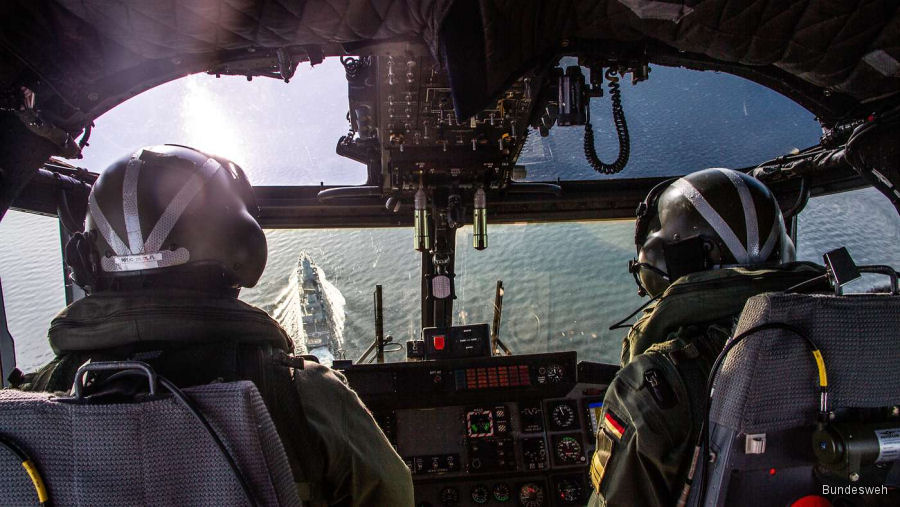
349, 263
285, 134
32, 276
863, 220
679, 121
279, 133
564, 284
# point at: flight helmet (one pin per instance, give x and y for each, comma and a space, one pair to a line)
706, 220
169, 215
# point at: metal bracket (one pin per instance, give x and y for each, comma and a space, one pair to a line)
755, 443
78, 386
7, 345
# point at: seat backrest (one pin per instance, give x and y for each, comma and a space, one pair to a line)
145, 453
767, 389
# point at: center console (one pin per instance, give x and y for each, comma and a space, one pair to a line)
506, 430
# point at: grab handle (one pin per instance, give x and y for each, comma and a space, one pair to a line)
145, 368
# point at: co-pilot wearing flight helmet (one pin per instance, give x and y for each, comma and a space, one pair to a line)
706, 243
171, 236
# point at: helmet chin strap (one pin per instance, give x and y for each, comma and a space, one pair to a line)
635, 267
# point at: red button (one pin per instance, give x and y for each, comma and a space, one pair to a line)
439, 342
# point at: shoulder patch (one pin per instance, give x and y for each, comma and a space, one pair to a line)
613, 424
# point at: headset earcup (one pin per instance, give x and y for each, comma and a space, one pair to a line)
647, 211
79, 254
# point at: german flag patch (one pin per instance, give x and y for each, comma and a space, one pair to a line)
613, 425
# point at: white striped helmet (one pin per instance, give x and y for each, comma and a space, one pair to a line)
170, 209
705, 220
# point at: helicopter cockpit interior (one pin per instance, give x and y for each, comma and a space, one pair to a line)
458, 274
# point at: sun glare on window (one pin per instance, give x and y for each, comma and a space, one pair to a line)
206, 125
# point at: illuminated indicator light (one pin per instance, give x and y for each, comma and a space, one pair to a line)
439, 342
771, 471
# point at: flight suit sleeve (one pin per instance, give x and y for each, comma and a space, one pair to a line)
643, 437
361, 466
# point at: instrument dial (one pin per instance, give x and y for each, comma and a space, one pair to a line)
501, 492
563, 416
554, 373
532, 418
569, 491
534, 453
568, 450
449, 496
480, 494
531, 495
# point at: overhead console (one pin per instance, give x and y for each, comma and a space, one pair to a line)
505, 430
403, 122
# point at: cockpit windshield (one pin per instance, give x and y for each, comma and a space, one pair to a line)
564, 283
285, 134
678, 120
280, 134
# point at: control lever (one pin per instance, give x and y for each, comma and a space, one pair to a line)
378, 344
479, 221
496, 345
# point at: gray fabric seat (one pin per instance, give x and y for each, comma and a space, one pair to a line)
768, 385
148, 453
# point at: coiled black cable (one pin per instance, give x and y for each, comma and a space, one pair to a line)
590, 152
354, 66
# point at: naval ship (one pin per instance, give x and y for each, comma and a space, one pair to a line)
319, 332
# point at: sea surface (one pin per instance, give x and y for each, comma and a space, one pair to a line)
564, 283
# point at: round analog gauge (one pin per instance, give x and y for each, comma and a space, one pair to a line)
563, 415
568, 450
569, 491
449, 496
480, 494
554, 373
501, 492
531, 495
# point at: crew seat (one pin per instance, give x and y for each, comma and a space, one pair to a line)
151, 452
766, 395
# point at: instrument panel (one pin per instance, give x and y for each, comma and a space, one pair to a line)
510, 430
401, 105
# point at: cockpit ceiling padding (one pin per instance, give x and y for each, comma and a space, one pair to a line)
843, 46
91, 54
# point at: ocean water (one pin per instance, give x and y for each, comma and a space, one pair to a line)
565, 283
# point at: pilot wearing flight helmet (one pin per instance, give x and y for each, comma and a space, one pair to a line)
706, 243
170, 238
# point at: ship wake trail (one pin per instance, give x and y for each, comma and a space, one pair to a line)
311, 309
